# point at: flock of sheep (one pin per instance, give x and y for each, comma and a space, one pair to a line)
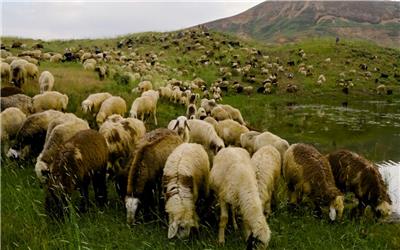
208, 152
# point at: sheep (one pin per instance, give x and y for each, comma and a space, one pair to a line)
176, 94
307, 172
219, 113
9, 91
5, 72
89, 66
381, 89
18, 72
46, 81
57, 134
83, 159
144, 86
121, 136
201, 113
111, 105
208, 105
49, 100
56, 58
21, 101
102, 71
32, 134
185, 175
230, 131
191, 111
239, 189
234, 113
146, 166
354, 173
11, 120
144, 105
248, 90
211, 121
93, 103
204, 133
32, 71
166, 92
180, 126
267, 165
252, 141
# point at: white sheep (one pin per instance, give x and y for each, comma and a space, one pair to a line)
234, 113
93, 103
57, 134
5, 72
46, 81
180, 125
144, 86
204, 133
234, 181
56, 58
201, 113
230, 131
112, 105
11, 120
252, 141
50, 100
219, 113
208, 105
185, 175
144, 105
267, 165
32, 71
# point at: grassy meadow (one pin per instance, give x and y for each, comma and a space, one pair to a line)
24, 224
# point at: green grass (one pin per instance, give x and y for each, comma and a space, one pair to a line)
23, 221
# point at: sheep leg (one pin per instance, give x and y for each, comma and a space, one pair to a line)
155, 118
222, 222
235, 226
100, 187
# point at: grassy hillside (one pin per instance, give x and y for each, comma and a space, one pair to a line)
23, 220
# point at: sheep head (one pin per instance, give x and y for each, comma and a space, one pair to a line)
131, 205
336, 208
87, 106
384, 209
180, 226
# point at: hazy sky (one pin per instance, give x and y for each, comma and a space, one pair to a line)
94, 19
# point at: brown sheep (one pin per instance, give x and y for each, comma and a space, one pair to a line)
81, 160
8, 91
146, 167
354, 173
306, 171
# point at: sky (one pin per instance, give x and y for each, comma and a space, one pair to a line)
96, 19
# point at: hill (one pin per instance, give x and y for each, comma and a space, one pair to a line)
288, 21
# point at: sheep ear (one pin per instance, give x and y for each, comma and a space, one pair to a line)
187, 125
176, 125
172, 230
332, 213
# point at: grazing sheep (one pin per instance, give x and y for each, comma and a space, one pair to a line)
186, 174
18, 73
144, 86
252, 141
102, 71
181, 127
56, 58
21, 101
93, 103
267, 165
89, 66
208, 105
57, 134
32, 71
166, 92
307, 172
46, 81
32, 134
201, 113
212, 121
204, 133
11, 120
230, 131
234, 113
5, 72
142, 106
248, 90
49, 100
111, 105
219, 113
83, 159
239, 190
146, 166
121, 136
381, 89
191, 111
10, 90
354, 173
